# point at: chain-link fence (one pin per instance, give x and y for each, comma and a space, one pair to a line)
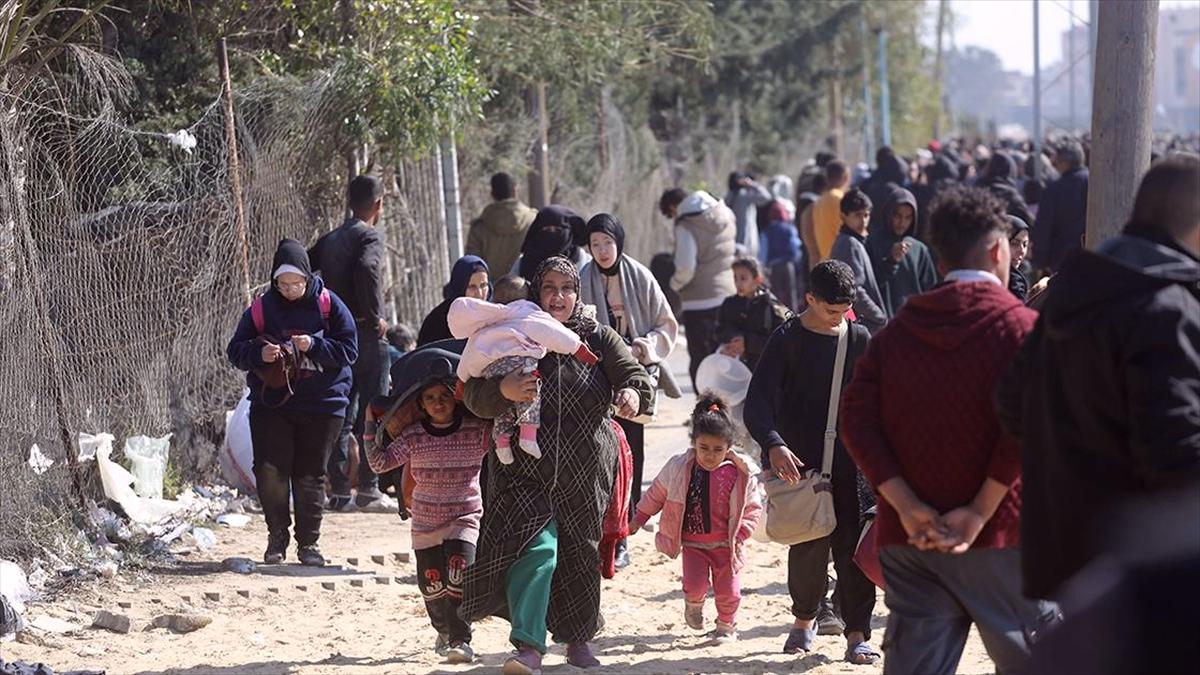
122, 272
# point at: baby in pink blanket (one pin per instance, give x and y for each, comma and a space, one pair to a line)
505, 338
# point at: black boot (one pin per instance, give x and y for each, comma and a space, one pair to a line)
276, 548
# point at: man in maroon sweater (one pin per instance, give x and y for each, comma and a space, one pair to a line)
918, 419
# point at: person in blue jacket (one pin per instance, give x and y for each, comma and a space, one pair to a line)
293, 427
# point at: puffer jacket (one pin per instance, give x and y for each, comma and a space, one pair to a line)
668, 494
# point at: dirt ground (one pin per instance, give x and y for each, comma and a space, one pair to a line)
363, 614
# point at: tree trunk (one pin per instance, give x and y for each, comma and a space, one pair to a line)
1122, 113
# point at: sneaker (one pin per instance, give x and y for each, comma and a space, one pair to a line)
693, 614
724, 634
460, 653
375, 502
342, 503
579, 654
310, 556
828, 622
527, 661
442, 646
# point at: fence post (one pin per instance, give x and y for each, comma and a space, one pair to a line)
235, 178
450, 199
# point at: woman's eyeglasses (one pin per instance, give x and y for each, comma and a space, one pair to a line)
295, 286
564, 291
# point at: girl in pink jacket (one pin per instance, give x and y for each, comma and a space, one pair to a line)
506, 338
710, 505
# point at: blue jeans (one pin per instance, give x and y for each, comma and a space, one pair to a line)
370, 373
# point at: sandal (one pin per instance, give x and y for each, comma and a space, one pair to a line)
800, 640
862, 654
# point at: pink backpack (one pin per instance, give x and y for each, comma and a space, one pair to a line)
324, 302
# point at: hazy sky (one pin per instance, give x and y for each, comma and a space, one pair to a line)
1006, 27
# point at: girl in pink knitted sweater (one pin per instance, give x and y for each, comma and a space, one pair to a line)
444, 451
710, 505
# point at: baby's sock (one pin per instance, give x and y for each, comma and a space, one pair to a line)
504, 449
529, 440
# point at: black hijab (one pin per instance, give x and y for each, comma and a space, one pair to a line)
606, 223
555, 231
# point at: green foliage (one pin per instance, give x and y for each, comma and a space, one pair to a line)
404, 66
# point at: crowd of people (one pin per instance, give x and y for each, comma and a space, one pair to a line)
910, 414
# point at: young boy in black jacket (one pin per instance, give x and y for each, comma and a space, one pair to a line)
747, 319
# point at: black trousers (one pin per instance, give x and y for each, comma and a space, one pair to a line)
440, 572
808, 565
635, 433
370, 373
701, 328
291, 450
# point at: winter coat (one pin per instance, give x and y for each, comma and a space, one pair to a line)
754, 319
920, 405
669, 492
781, 243
1105, 398
436, 326
1061, 219
334, 348
850, 247
496, 235
704, 252
493, 332
915, 272
350, 261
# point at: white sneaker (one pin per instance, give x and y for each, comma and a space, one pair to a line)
376, 503
460, 653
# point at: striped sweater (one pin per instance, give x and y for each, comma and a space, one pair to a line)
447, 501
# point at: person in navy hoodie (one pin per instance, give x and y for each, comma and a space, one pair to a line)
294, 434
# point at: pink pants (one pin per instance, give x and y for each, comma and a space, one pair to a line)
697, 562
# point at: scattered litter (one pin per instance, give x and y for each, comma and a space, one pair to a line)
49, 624
11, 622
204, 538
180, 623
237, 452
182, 139
117, 481
233, 519
14, 586
107, 569
38, 461
238, 565
148, 461
117, 623
89, 444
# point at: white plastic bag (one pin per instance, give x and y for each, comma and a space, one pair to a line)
237, 455
117, 483
148, 461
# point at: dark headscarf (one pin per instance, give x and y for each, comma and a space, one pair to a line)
606, 223
579, 322
1001, 170
460, 276
556, 230
292, 252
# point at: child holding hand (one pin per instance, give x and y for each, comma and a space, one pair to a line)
710, 505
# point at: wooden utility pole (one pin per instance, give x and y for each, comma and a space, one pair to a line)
939, 76
539, 175
837, 135
235, 177
1122, 113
